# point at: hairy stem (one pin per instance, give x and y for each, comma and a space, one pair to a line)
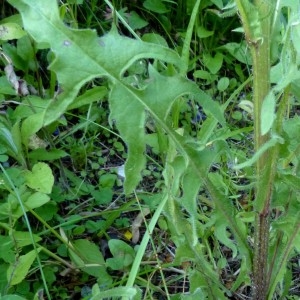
256, 17
264, 169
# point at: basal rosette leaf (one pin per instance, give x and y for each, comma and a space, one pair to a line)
80, 55
129, 107
129, 115
161, 92
287, 231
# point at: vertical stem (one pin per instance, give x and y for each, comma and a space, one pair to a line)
256, 17
261, 87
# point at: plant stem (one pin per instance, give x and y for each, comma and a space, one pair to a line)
265, 170
256, 17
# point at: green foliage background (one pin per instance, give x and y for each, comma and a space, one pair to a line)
185, 109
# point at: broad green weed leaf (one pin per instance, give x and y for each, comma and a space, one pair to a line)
238, 51
31, 105
213, 63
289, 225
7, 139
12, 208
292, 128
152, 140
88, 258
204, 75
223, 84
17, 138
202, 32
123, 255
40, 178
30, 126
129, 106
27, 51
7, 252
130, 118
24, 238
32, 201
16, 176
155, 39
282, 77
17, 272
174, 169
184, 253
3, 279
267, 113
47, 155
156, 6
135, 21
3, 157
10, 138
32, 109
77, 62
243, 277
292, 181
210, 285
11, 31
191, 184
48, 210
222, 235
5, 87
80, 55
